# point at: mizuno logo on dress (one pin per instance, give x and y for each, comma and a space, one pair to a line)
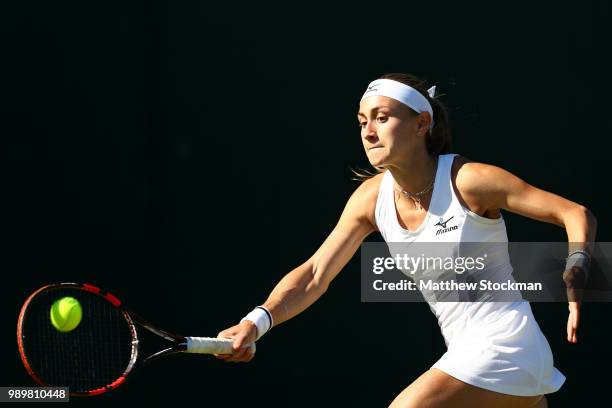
443, 223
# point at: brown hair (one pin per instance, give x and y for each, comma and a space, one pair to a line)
438, 140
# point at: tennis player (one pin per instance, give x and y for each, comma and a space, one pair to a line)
497, 355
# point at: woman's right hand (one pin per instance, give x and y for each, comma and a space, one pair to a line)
244, 335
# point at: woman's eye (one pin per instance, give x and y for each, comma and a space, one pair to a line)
380, 119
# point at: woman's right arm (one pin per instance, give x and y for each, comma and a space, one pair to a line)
301, 287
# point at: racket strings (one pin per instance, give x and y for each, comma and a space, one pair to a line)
89, 357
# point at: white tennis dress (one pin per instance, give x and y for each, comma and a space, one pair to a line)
493, 345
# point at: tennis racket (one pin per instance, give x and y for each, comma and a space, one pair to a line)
103, 350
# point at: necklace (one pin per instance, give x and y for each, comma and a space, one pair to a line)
417, 197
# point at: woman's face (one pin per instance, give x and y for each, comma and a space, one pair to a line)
390, 131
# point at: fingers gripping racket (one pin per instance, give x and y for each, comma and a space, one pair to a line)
104, 348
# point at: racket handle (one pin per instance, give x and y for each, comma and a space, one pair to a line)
209, 345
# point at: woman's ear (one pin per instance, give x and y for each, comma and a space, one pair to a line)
423, 121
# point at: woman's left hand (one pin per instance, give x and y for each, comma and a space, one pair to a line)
573, 321
575, 282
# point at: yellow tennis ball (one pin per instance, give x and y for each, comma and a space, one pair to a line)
66, 314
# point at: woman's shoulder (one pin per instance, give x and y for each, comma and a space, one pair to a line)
472, 184
362, 203
472, 176
368, 189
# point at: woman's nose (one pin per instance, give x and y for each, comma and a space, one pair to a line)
369, 133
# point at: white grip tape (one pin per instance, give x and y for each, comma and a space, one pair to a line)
211, 345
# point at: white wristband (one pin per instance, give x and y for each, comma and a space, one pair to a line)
262, 318
581, 259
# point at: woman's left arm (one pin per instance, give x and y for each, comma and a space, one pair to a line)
495, 188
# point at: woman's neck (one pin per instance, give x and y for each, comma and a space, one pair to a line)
415, 174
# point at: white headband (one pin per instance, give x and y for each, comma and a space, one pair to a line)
402, 93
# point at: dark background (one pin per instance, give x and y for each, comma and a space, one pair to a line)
187, 156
